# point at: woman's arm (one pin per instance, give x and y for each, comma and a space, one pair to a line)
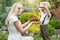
25, 24
20, 28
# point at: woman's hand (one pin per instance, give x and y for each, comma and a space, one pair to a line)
34, 19
35, 22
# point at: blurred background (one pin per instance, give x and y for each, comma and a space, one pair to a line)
31, 10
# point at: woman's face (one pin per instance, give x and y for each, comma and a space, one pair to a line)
20, 9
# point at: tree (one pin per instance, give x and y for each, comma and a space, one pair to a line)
4, 4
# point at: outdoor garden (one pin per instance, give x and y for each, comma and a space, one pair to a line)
30, 11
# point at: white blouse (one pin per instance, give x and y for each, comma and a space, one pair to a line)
14, 34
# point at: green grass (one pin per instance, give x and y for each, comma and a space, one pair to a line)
40, 38
55, 38
5, 36
37, 38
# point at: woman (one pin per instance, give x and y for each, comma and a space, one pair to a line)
15, 27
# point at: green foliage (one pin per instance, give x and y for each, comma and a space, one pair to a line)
0, 24
35, 29
3, 36
2, 7
54, 3
26, 16
3, 16
7, 9
40, 38
37, 38
51, 30
55, 23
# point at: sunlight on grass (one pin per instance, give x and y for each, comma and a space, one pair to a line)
40, 38
5, 36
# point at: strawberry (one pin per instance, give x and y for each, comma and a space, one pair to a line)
34, 19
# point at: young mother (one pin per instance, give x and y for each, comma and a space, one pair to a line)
14, 25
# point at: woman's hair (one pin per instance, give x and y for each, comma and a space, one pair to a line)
13, 11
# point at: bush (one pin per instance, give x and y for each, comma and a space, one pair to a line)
25, 17
0, 24
51, 30
3, 36
55, 23
35, 29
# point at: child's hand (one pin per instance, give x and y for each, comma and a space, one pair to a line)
34, 20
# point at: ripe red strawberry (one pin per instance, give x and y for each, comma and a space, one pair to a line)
34, 19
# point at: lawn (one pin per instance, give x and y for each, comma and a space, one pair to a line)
40, 38
4, 37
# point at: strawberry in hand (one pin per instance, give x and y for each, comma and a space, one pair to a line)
34, 20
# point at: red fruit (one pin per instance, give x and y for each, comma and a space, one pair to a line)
34, 19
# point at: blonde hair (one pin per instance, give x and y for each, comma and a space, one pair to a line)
13, 11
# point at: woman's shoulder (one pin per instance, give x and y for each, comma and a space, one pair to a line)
13, 18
